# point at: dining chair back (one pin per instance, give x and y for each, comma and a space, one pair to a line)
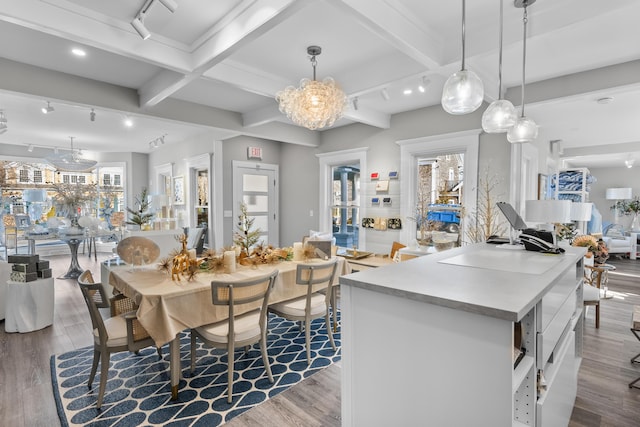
238, 330
591, 288
318, 278
111, 335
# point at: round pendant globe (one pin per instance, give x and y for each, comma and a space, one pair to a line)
462, 93
525, 130
499, 116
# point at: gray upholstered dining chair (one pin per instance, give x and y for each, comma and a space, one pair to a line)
238, 330
111, 335
314, 304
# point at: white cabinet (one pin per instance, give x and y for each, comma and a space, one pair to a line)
430, 341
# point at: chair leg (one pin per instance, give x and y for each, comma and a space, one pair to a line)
333, 308
94, 366
104, 374
159, 349
193, 350
597, 315
329, 333
230, 366
307, 338
265, 356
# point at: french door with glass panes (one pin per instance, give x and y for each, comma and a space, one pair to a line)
256, 185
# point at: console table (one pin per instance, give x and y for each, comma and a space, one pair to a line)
430, 341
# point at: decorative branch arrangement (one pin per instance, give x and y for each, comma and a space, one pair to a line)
484, 220
246, 237
140, 215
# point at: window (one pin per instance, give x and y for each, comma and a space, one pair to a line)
37, 176
106, 179
24, 175
65, 179
82, 179
74, 179
116, 180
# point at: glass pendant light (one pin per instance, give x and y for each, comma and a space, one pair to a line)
463, 91
525, 129
500, 115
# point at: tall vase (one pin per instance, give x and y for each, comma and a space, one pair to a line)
635, 224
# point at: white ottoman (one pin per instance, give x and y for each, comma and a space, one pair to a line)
29, 305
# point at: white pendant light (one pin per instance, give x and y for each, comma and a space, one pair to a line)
500, 115
463, 91
525, 129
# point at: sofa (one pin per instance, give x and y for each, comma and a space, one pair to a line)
616, 241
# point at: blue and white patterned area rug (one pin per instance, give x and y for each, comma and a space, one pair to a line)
138, 390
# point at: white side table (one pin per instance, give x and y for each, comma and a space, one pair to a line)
29, 306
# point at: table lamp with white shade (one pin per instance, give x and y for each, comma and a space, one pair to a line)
548, 213
617, 194
581, 212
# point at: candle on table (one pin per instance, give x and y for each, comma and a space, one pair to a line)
229, 260
298, 251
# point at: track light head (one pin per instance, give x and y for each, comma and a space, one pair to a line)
48, 109
92, 115
138, 25
169, 4
30, 148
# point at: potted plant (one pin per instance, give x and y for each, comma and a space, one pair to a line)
629, 207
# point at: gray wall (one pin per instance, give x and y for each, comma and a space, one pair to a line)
610, 178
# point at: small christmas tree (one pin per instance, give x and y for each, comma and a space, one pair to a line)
141, 214
246, 236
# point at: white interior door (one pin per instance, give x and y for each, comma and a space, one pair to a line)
256, 185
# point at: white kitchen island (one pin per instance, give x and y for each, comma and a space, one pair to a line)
429, 341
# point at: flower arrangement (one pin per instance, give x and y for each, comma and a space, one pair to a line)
627, 207
69, 197
596, 248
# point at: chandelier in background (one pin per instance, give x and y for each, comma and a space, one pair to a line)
315, 104
525, 129
463, 91
500, 115
71, 161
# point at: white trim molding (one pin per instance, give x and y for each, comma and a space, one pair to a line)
466, 142
327, 162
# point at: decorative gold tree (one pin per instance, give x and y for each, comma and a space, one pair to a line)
246, 236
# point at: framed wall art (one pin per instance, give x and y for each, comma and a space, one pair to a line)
178, 190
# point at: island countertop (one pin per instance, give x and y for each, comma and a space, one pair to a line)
480, 278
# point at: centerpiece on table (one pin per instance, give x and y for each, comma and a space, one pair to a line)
71, 198
141, 214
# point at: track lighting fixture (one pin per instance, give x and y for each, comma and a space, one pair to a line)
48, 109
354, 101
157, 142
92, 115
128, 122
138, 21
30, 148
169, 4
138, 25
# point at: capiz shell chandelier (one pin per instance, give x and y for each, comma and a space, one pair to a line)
71, 161
315, 104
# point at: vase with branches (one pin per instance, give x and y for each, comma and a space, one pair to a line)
69, 198
629, 207
484, 220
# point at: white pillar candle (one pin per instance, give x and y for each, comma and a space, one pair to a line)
229, 260
298, 251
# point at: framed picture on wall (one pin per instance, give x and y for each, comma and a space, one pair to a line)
543, 184
178, 190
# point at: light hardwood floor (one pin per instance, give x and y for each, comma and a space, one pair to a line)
604, 398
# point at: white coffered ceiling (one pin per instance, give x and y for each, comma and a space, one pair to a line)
215, 66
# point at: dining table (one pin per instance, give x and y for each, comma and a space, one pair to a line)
167, 307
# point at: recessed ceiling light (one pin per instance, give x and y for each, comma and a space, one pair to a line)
78, 52
421, 88
407, 92
605, 100
128, 122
